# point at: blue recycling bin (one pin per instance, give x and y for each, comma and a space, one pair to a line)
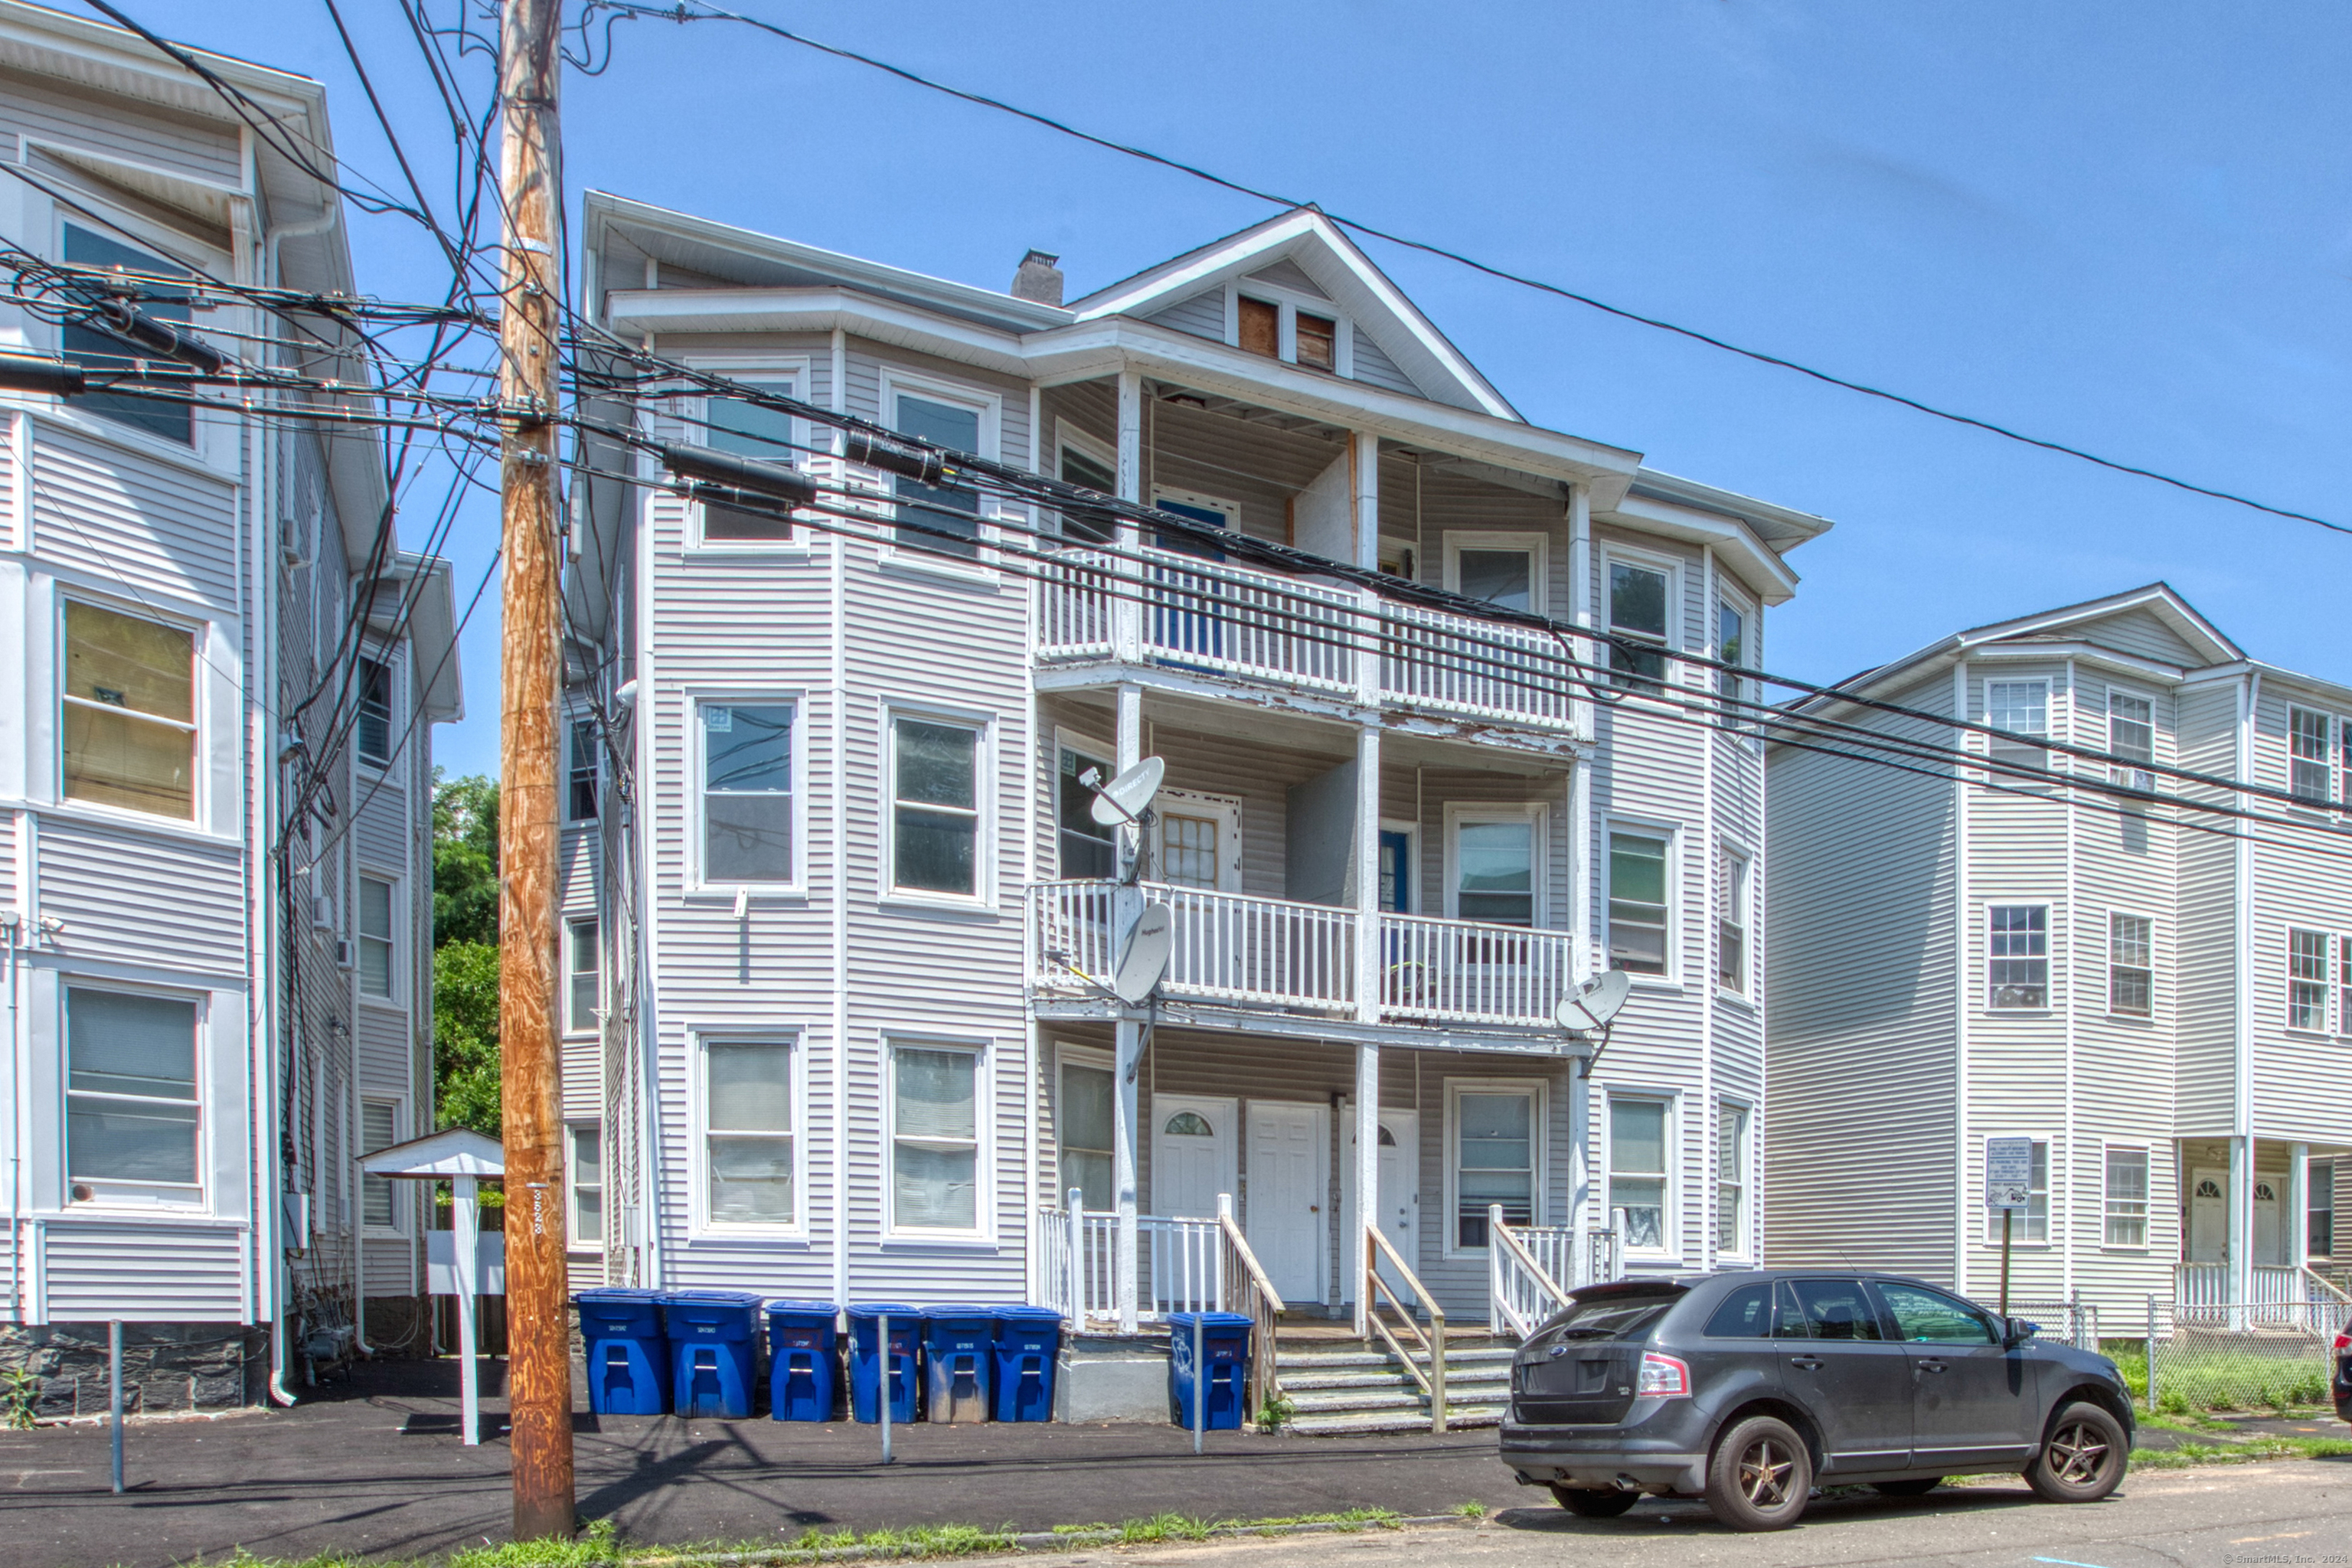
1224, 1351
960, 1358
801, 1362
866, 1359
714, 1343
1028, 1345
627, 1353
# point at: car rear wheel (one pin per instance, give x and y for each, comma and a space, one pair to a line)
1760, 1477
1592, 1502
1918, 1486
2083, 1458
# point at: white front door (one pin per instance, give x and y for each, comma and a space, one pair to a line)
2270, 1235
2209, 1217
1290, 1175
1192, 1154
1399, 1212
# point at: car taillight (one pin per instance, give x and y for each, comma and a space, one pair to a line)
2343, 1342
1663, 1377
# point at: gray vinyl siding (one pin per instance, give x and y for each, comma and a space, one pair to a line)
1373, 366
143, 1272
2205, 1075
118, 518
144, 897
44, 111
2302, 879
1203, 315
1288, 274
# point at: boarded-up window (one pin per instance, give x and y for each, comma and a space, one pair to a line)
1261, 324
129, 712
1318, 338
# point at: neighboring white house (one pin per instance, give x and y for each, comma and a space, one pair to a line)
855, 914
2158, 998
212, 1006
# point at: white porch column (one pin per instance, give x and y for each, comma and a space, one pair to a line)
1367, 858
1129, 1049
1367, 1176
1364, 463
2294, 1225
2240, 1252
1126, 614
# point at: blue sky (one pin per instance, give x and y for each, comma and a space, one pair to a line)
2124, 226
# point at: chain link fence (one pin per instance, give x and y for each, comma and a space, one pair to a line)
2239, 1356
2073, 1323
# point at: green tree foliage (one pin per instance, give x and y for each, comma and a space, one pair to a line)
465, 951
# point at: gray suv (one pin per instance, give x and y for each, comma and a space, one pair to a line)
1749, 1388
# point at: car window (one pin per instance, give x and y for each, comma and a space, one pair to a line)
1930, 1317
1614, 1316
1829, 1310
1745, 1314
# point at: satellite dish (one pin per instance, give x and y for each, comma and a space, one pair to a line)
1145, 959
1127, 797
1595, 1002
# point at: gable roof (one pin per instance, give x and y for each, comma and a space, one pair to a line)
1305, 239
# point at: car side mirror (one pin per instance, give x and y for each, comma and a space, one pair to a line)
2018, 1332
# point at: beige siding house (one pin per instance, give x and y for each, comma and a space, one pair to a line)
2156, 996
859, 887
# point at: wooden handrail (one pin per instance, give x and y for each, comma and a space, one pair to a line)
1249, 1289
1377, 1246
1258, 1281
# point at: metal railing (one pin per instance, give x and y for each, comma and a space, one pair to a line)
1372, 1287
2239, 1355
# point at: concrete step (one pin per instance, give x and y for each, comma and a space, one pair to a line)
1406, 1397
1457, 1416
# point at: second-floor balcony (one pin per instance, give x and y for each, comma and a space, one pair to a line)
1184, 612
1274, 957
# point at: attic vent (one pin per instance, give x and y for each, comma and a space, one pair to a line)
1039, 278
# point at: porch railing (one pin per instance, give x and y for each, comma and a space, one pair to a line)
1531, 1270
1183, 1264
2282, 1296
1372, 1287
1249, 1292
1267, 627
1273, 952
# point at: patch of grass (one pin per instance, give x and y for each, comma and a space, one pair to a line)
1471, 1509
1274, 1413
20, 1399
2130, 1357
2246, 1452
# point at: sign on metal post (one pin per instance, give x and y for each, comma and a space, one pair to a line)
2008, 1173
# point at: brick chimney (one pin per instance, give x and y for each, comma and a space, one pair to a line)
1039, 278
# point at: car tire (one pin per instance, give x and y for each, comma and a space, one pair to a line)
1760, 1477
1918, 1486
2083, 1458
1595, 1502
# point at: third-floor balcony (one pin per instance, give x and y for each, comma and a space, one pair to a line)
1176, 612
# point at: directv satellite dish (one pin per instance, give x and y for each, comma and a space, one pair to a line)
1595, 1002
1146, 957
1127, 797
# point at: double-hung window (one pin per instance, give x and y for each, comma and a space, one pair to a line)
1731, 921
379, 1129
1637, 1171
1082, 1131
580, 796
1731, 1179
934, 1137
750, 429
2131, 739
2344, 984
1088, 849
2127, 1201
160, 298
2308, 756
2016, 956
379, 949
584, 1225
2032, 1225
583, 977
1494, 861
1730, 646
130, 719
374, 731
940, 519
1637, 624
1505, 570
747, 792
2307, 980
2131, 974
935, 807
2019, 711
1494, 1151
2319, 1210
748, 1133
131, 1103
1637, 902
1083, 467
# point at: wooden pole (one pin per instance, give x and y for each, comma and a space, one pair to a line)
538, 1352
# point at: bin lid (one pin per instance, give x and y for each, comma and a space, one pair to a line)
785, 1308
711, 1298
876, 1308
1025, 1314
960, 1310
617, 1295
1185, 1320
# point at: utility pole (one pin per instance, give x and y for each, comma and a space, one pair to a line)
538, 1340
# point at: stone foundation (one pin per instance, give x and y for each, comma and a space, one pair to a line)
166, 1367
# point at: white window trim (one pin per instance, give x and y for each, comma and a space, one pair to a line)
1746, 995
2330, 982
2148, 1201
990, 406
1988, 1220
399, 1226
391, 662
2052, 958
574, 1239
1289, 302
985, 792
1672, 1252
2139, 778
766, 368
1066, 1055
201, 728
702, 1226
1672, 832
2107, 965
574, 1027
2051, 726
1226, 809
1744, 1249
1536, 545
1541, 1146
699, 876
398, 996
1533, 811
1677, 611
136, 1197
984, 1195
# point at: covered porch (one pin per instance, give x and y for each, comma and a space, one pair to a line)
2258, 1231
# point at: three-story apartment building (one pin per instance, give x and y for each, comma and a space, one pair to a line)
2156, 996
843, 920
216, 714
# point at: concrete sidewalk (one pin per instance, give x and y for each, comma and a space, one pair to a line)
375, 1466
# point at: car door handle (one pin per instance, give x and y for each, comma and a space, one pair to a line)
1807, 1362
1931, 1366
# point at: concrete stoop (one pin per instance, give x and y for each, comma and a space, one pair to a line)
1352, 1387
